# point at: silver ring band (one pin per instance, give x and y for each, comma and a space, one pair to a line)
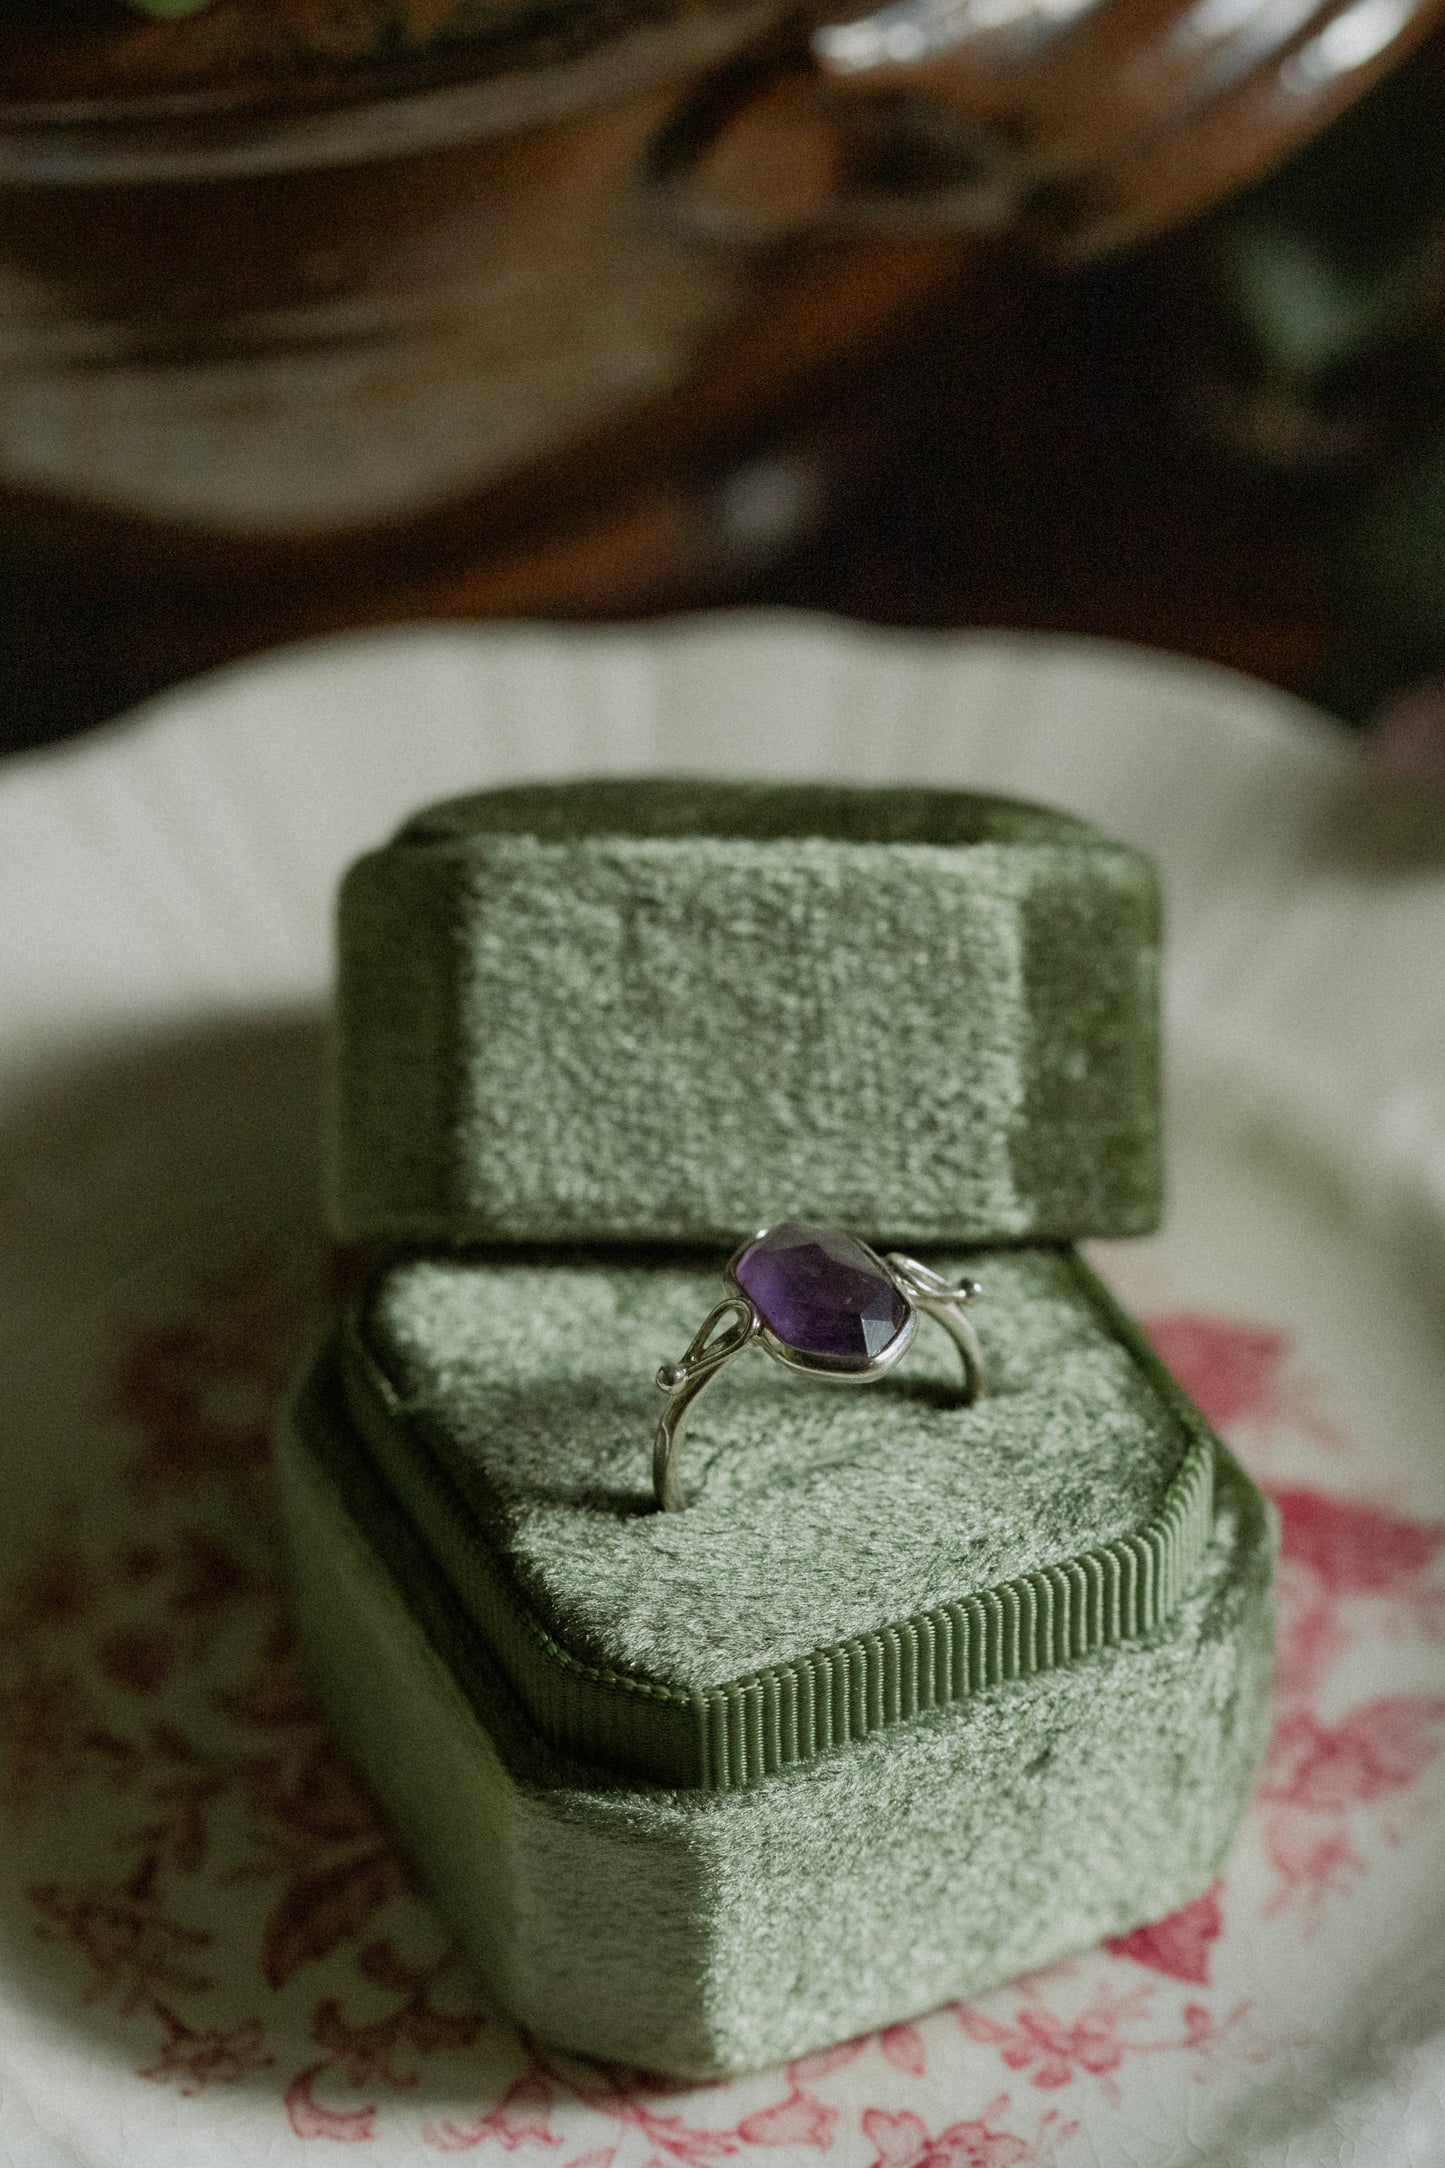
819, 1301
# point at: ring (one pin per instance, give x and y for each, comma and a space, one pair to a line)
818, 1301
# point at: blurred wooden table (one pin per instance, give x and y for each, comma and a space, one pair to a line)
1016, 457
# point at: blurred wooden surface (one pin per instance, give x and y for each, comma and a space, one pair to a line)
1017, 456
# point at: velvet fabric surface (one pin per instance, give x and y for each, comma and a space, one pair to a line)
851, 1556
699, 1931
679, 1011
695, 1927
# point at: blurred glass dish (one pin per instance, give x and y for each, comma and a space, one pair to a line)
282, 281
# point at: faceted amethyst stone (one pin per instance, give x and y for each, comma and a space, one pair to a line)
820, 1293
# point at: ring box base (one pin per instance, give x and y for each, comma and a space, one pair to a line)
698, 1932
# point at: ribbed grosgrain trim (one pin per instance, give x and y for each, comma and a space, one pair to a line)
726, 1737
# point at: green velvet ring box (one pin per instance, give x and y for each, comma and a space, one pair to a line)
675, 1011
908, 1700
912, 1696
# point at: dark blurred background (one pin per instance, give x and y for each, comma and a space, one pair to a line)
1229, 443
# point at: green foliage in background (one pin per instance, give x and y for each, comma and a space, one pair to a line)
1337, 254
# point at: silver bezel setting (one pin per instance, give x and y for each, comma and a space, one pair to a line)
824, 1366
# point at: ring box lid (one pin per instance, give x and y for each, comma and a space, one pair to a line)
674, 1011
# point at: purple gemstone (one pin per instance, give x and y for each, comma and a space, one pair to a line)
820, 1293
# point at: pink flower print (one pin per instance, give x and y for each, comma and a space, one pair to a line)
1317, 1774
801, 2119
1053, 2049
1379, 1747
1237, 1373
903, 2046
134, 1951
1179, 1945
522, 2117
824, 2061
903, 2141
309, 2119
201, 1390
1314, 1859
1346, 1566
1312, 1633
196, 2059
1351, 1548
